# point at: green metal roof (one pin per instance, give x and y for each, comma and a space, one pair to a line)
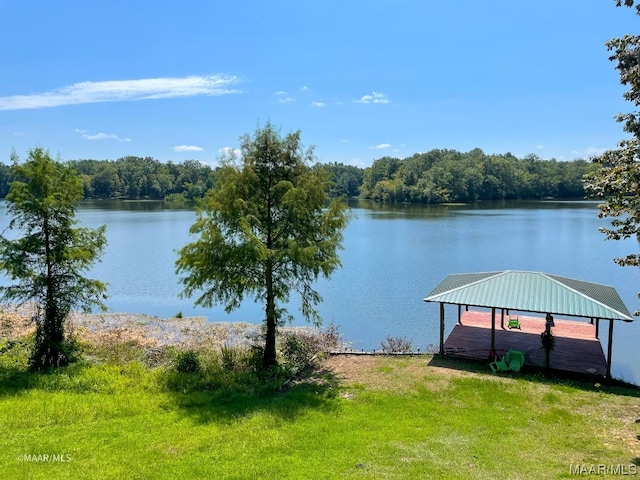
531, 292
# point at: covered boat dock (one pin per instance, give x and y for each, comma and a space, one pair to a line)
512, 294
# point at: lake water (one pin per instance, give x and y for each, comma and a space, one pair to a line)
393, 257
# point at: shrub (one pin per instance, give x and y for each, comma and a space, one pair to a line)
188, 362
230, 357
397, 345
297, 349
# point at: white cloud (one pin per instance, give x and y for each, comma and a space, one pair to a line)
101, 136
318, 104
344, 140
123, 90
304, 88
230, 152
539, 147
187, 148
375, 97
382, 145
283, 97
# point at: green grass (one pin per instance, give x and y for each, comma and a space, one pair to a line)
397, 418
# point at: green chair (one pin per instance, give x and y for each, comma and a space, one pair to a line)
499, 364
515, 366
514, 323
515, 359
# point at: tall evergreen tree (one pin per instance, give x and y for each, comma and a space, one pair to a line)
264, 231
50, 257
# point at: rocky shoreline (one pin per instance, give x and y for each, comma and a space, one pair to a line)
144, 330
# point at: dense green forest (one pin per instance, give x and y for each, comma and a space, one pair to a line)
433, 177
450, 176
136, 177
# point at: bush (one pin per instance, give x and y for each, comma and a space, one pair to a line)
397, 345
297, 349
188, 362
14, 354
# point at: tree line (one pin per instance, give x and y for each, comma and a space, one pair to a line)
134, 178
441, 176
437, 176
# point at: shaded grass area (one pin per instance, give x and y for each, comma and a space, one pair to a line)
128, 417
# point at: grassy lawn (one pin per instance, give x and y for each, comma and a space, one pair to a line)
352, 417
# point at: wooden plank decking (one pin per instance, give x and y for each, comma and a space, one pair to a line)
576, 348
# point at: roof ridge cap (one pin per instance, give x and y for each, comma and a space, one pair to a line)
623, 316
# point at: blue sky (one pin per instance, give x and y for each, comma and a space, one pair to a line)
361, 80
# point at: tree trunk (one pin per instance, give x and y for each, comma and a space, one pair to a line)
269, 358
50, 329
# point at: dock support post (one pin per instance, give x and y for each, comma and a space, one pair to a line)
493, 329
597, 328
441, 328
609, 348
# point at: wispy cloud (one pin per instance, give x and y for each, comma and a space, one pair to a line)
230, 152
375, 97
101, 136
318, 104
123, 90
283, 97
382, 146
187, 148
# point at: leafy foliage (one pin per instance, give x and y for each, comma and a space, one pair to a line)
441, 176
299, 347
188, 362
617, 180
48, 261
345, 179
144, 177
264, 231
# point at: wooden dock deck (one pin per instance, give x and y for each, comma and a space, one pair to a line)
576, 348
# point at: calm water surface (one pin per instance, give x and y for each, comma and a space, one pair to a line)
393, 257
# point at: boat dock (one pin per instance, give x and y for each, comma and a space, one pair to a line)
576, 348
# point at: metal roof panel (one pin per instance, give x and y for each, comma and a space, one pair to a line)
531, 292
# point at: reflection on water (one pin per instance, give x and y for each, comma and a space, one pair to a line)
393, 257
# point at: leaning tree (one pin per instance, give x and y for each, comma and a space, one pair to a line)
617, 180
47, 254
265, 230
